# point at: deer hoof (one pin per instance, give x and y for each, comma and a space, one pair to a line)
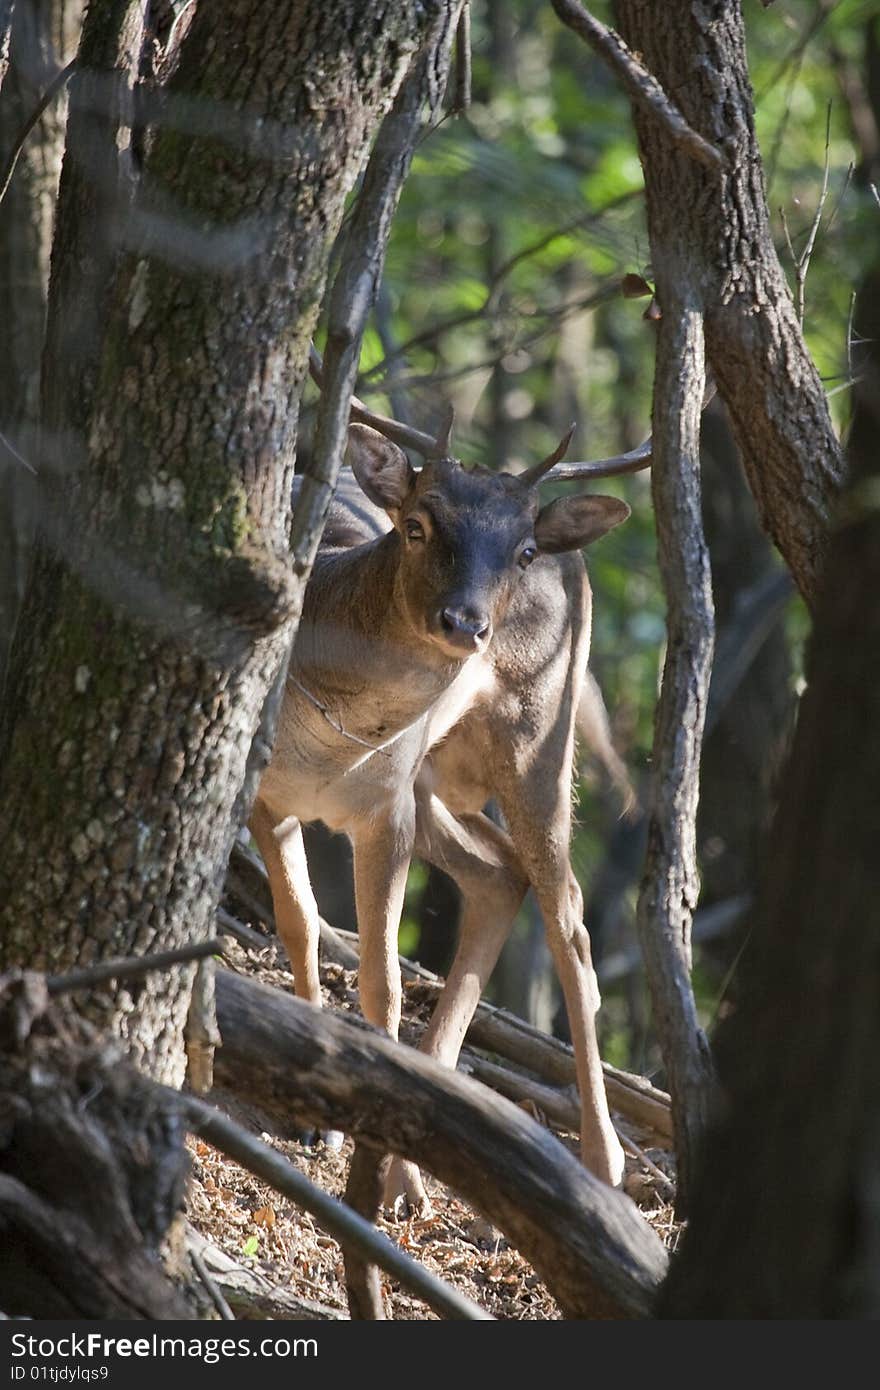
331, 1138
606, 1160
405, 1195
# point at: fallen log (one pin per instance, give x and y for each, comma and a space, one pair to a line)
589, 1244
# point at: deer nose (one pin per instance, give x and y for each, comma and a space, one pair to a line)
465, 627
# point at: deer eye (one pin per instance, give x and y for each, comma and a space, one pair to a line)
415, 531
526, 556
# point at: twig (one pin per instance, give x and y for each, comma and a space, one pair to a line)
802, 262
18, 143
19, 458
246, 936
212, 1288
602, 294
642, 86
427, 336
342, 1223
130, 967
849, 336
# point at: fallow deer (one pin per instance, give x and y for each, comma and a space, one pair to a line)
438, 665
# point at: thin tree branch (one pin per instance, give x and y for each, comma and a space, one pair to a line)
213, 1291
801, 263
18, 143
343, 1223
130, 967
670, 886
641, 85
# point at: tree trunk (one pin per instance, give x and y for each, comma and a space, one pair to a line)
44, 34
800, 1138
749, 721
710, 225
184, 293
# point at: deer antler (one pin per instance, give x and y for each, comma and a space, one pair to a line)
550, 470
632, 462
404, 435
534, 475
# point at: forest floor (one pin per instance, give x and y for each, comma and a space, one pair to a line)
291, 1269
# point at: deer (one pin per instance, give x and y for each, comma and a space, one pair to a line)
438, 666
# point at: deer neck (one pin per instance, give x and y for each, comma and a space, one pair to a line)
356, 647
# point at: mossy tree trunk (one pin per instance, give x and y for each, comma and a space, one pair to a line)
187, 274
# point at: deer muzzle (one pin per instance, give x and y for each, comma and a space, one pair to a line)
463, 627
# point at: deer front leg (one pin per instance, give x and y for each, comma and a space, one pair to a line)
481, 860
280, 843
383, 848
382, 853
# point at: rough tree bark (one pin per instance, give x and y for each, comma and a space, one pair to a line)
800, 1135
183, 296
754, 345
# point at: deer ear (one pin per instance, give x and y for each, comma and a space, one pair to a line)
382, 469
568, 523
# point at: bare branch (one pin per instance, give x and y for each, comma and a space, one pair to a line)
18, 143
801, 263
225, 1312
130, 967
428, 336
343, 1223
670, 886
641, 85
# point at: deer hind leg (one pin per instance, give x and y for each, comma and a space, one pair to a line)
280, 843
480, 858
539, 817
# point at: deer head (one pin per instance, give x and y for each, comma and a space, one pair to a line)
467, 535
